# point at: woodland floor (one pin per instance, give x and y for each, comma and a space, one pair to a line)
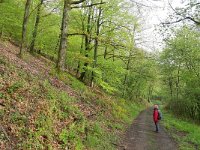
142, 136
38, 67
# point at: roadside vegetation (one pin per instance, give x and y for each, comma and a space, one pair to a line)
185, 132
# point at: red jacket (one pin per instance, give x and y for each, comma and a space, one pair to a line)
155, 115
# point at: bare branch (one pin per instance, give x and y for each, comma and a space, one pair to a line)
88, 5
72, 34
77, 2
140, 4
183, 17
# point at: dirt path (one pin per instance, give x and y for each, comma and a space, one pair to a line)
142, 136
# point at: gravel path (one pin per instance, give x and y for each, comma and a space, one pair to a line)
142, 136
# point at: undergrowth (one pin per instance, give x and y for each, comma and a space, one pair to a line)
37, 115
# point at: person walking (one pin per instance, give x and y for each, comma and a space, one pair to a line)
156, 117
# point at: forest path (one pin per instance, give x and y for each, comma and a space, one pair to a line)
141, 135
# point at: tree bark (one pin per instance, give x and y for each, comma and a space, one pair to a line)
79, 63
82, 45
63, 37
105, 52
87, 43
24, 26
36, 27
98, 25
1, 33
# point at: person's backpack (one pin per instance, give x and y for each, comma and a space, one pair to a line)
159, 115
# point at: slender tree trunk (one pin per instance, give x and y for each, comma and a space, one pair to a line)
36, 27
129, 60
24, 26
1, 34
177, 83
170, 87
127, 68
98, 25
113, 55
79, 63
82, 46
86, 55
87, 43
63, 37
150, 93
105, 52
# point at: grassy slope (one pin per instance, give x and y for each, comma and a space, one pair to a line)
36, 114
186, 133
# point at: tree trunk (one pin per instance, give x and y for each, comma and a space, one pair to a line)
105, 52
79, 63
150, 91
129, 60
63, 37
127, 68
170, 87
113, 55
24, 26
36, 27
98, 25
87, 43
82, 46
177, 83
1, 33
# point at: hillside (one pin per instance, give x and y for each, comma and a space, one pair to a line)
40, 109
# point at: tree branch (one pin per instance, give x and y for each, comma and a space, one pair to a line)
77, 2
184, 18
76, 34
140, 4
88, 5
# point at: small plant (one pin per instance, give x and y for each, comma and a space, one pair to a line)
1, 95
19, 119
13, 88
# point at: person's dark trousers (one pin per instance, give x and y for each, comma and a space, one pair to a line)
157, 128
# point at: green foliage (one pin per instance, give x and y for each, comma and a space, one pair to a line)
1, 95
115, 36
50, 116
180, 72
